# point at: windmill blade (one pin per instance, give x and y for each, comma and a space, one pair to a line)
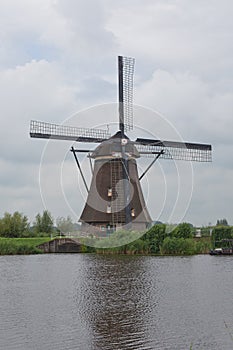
125, 72
174, 150
62, 132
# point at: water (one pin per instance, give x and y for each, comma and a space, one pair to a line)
78, 301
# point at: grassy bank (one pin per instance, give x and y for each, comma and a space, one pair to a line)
176, 246
11, 246
156, 241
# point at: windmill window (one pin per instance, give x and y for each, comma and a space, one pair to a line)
110, 192
132, 212
109, 209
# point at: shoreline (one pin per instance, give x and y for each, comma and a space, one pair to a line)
31, 246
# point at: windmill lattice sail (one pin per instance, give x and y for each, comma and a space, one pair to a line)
44, 130
126, 72
187, 151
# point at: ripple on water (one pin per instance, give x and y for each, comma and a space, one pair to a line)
84, 302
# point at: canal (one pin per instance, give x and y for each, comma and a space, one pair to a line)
85, 301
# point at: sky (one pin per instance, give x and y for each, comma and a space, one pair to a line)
58, 64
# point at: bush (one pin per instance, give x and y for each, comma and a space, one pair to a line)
178, 246
203, 246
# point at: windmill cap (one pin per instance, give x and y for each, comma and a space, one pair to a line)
112, 148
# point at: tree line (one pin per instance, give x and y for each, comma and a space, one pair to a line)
17, 225
162, 239
159, 240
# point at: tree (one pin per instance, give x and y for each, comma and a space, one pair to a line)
65, 225
154, 238
222, 232
183, 230
43, 223
222, 222
15, 225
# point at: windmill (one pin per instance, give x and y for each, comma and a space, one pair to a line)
115, 198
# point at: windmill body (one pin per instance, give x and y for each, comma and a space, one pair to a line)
106, 207
115, 198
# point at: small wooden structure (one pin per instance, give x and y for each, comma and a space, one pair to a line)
61, 245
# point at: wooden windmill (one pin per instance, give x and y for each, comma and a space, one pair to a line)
115, 198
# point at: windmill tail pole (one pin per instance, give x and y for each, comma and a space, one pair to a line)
79, 167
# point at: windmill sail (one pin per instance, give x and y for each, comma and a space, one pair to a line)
174, 150
125, 72
62, 132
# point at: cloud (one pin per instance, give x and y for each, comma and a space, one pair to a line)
36, 90
191, 36
185, 98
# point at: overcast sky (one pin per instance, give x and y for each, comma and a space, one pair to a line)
59, 58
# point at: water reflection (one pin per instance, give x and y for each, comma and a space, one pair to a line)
117, 295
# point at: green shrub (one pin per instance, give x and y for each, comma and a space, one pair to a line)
203, 246
178, 246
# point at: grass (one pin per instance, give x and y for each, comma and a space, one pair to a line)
12, 246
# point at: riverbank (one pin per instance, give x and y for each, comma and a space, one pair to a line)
13, 246
141, 246
156, 241
174, 247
